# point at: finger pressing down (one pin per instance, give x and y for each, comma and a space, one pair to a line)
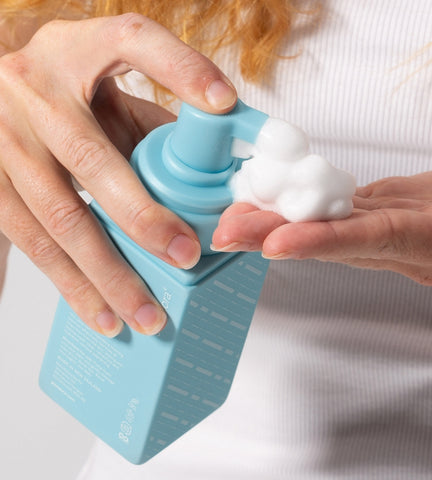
85, 151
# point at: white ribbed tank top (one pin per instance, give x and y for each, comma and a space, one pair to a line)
335, 381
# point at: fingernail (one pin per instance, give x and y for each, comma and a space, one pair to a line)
184, 251
220, 95
109, 324
283, 256
232, 247
151, 318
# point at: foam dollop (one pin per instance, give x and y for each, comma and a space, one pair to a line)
284, 177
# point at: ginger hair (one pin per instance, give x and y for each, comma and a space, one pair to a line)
255, 27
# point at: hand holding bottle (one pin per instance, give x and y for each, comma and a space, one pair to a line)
52, 94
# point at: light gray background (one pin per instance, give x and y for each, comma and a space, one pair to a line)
38, 440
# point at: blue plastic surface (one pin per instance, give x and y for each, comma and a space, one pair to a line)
140, 393
203, 141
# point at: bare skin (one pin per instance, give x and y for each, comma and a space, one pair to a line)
390, 229
61, 115
4, 249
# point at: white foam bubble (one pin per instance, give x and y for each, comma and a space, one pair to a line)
284, 177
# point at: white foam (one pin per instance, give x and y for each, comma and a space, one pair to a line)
284, 177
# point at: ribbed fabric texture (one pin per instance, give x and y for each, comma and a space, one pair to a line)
336, 377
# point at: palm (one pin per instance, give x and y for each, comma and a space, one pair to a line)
390, 228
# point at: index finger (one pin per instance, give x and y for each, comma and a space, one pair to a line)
82, 147
134, 42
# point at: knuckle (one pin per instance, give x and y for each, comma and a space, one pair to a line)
14, 66
84, 156
43, 251
190, 69
126, 27
49, 30
143, 219
184, 59
64, 216
398, 242
77, 293
117, 279
387, 246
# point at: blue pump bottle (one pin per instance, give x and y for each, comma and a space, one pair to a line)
139, 393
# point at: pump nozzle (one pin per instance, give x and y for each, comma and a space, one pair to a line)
203, 141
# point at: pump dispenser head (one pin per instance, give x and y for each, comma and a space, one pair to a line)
187, 165
204, 142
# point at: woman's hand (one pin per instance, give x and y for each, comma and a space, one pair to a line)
52, 92
390, 229
4, 248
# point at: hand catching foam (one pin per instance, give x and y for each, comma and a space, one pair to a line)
282, 176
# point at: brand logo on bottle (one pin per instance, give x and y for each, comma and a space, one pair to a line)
166, 299
126, 426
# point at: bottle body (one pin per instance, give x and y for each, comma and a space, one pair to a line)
139, 393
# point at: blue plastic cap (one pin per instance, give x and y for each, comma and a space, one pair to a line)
203, 141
